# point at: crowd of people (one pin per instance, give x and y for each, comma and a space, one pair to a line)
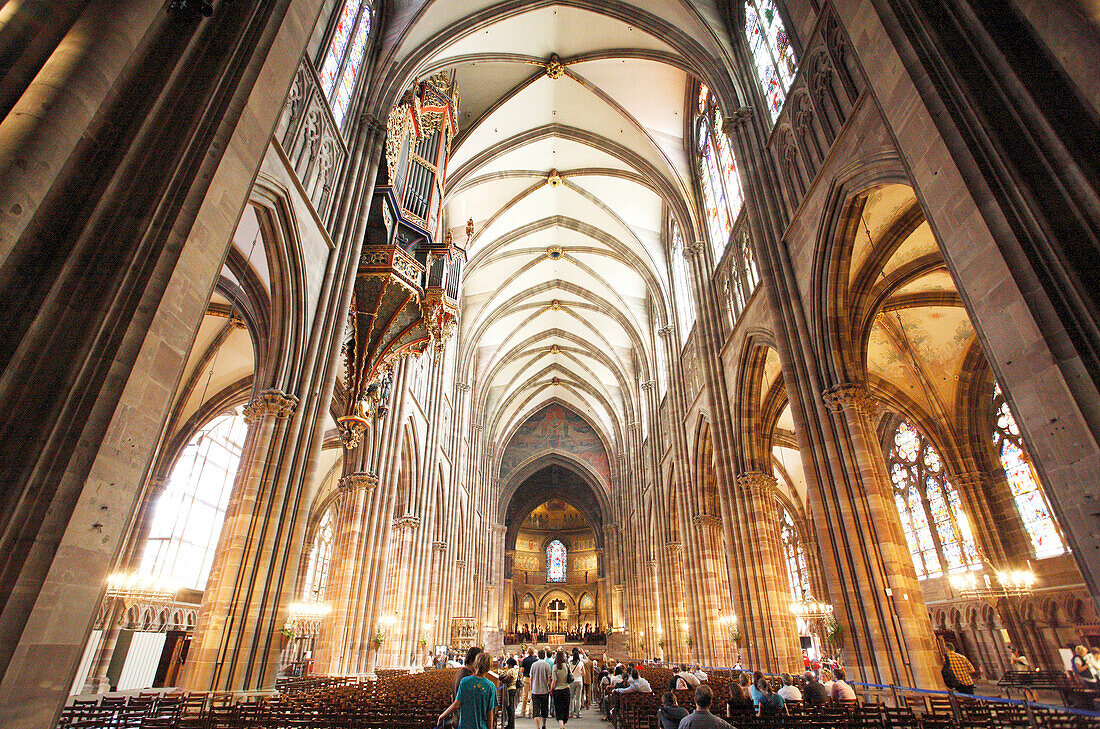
587, 633
556, 685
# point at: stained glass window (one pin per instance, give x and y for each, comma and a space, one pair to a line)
719, 180
772, 55
1031, 502
319, 559
685, 304
188, 516
555, 562
344, 59
798, 571
932, 517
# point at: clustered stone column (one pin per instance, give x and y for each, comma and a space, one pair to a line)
770, 634
878, 602
236, 640
338, 630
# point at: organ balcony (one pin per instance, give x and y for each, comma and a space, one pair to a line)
407, 287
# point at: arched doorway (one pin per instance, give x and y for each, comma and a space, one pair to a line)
555, 587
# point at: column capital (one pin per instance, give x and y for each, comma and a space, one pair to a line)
665, 332
358, 481
275, 402
408, 521
739, 118
610, 529
460, 562
477, 426
677, 548
652, 564
462, 387
648, 384
758, 482
850, 395
969, 478
439, 546
706, 520
691, 250
157, 483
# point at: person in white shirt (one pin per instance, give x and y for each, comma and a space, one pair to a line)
789, 691
700, 674
638, 684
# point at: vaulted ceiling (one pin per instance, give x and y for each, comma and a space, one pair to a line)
569, 173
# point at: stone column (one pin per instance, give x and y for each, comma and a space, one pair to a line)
878, 602
715, 599
770, 631
399, 622
114, 617
236, 639
155, 112
344, 568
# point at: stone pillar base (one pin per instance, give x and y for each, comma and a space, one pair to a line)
96, 686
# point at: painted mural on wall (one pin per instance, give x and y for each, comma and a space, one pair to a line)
556, 429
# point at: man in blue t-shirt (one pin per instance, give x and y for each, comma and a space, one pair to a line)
476, 699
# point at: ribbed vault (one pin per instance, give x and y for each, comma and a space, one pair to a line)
570, 161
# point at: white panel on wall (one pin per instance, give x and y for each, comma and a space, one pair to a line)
85, 663
141, 662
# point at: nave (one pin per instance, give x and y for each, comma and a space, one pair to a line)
342, 336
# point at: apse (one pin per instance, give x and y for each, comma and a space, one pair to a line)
554, 573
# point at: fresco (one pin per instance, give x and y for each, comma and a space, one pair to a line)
556, 429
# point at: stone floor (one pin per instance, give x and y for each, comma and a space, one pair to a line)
590, 719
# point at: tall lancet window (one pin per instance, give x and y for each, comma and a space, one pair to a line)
681, 285
344, 58
189, 514
798, 571
555, 562
772, 55
931, 514
319, 559
719, 179
1031, 502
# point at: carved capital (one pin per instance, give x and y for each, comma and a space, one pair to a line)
676, 548
358, 481
758, 483
740, 117
691, 250
649, 384
274, 402
706, 520
157, 484
665, 332
439, 546
971, 480
460, 562
477, 426
610, 529
462, 387
408, 521
849, 395
652, 564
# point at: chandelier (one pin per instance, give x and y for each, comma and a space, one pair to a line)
811, 609
304, 618
1002, 583
132, 588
